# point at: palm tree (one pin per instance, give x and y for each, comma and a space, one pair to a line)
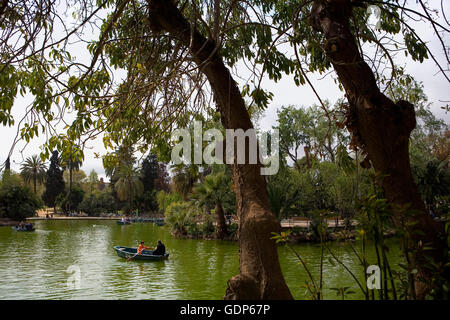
434, 181
215, 189
71, 163
34, 169
129, 185
184, 178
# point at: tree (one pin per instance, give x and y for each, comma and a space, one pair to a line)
311, 127
54, 182
128, 185
149, 172
381, 121
282, 194
184, 178
18, 202
34, 169
148, 176
216, 190
93, 181
7, 164
97, 203
174, 53
433, 181
71, 160
162, 181
70, 201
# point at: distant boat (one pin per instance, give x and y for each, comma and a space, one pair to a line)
127, 252
122, 222
16, 228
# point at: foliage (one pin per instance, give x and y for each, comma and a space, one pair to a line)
97, 203
434, 182
34, 169
313, 127
180, 216
162, 181
70, 201
165, 199
17, 201
147, 200
162, 90
128, 186
184, 178
215, 191
149, 172
282, 193
92, 181
54, 184
154, 177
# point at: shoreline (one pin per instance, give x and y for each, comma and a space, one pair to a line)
74, 218
7, 222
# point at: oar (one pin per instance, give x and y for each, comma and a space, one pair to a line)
131, 258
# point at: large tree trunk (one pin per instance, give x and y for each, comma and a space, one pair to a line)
221, 224
308, 161
260, 272
381, 128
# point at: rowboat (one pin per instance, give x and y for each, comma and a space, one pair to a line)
16, 228
126, 252
121, 222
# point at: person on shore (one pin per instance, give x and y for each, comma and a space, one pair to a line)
160, 249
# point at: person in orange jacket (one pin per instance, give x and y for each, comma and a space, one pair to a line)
141, 248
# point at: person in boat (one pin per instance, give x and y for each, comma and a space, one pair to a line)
123, 220
160, 249
21, 225
29, 226
141, 248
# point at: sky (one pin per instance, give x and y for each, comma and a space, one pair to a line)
285, 93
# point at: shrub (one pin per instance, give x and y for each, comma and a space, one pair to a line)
180, 216
76, 197
17, 202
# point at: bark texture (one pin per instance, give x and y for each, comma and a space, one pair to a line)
221, 224
380, 127
260, 274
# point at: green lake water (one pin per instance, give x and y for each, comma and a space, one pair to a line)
42, 264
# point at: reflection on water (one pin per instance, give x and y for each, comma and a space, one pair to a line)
33, 265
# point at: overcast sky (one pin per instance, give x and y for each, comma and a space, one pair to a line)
285, 93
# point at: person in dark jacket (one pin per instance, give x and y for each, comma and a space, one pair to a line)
160, 249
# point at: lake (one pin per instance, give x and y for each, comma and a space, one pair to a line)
45, 264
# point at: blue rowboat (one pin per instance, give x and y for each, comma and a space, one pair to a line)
16, 228
147, 255
120, 222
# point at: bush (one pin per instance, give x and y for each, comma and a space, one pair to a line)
17, 202
233, 229
207, 228
165, 199
180, 216
76, 197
